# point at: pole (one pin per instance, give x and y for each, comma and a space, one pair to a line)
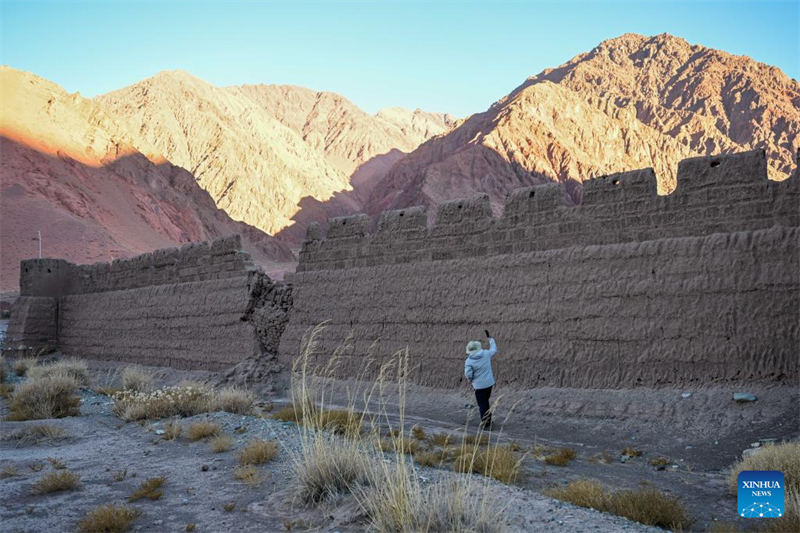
40, 243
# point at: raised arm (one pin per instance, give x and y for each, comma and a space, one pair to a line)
492, 347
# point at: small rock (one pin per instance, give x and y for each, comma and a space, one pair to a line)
755, 445
686, 395
204, 468
744, 397
688, 447
716, 442
185, 501
158, 522
159, 432
624, 459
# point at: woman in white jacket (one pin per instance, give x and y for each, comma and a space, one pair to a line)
478, 371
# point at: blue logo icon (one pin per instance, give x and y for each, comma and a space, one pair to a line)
761, 494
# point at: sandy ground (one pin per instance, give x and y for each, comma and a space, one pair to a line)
200, 483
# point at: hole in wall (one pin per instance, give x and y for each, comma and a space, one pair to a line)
48, 270
401, 213
460, 206
615, 182
714, 164
531, 194
344, 222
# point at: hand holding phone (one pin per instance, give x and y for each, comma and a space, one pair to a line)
487, 334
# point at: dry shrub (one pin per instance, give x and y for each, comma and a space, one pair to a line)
183, 400
433, 457
137, 379
8, 471
172, 430
23, 364
150, 489
191, 527
339, 421
74, 368
418, 432
57, 481
645, 505
480, 440
632, 452
329, 465
258, 452
202, 430
399, 444
109, 519
229, 507
38, 434
220, 444
250, 475
396, 500
790, 521
442, 439
234, 400
561, 457
783, 457
50, 397
56, 463
494, 461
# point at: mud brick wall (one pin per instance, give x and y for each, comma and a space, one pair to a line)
33, 323
627, 289
202, 306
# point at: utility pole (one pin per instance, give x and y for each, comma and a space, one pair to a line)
40, 243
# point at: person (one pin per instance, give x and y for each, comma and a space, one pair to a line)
478, 371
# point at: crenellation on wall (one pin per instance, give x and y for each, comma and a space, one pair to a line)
715, 194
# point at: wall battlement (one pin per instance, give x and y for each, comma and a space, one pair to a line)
626, 289
204, 305
714, 194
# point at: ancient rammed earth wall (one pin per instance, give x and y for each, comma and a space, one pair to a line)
627, 289
203, 306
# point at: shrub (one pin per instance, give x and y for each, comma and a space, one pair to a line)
644, 505
5, 390
329, 465
399, 444
50, 397
150, 489
790, 521
481, 440
23, 364
632, 452
220, 444
202, 430
418, 432
258, 452
8, 471
442, 439
561, 457
57, 481
172, 430
109, 519
137, 379
186, 400
74, 368
339, 421
234, 400
250, 475
288, 414
56, 463
433, 458
782, 457
37, 434
498, 462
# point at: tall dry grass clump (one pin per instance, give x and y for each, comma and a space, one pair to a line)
258, 452
54, 396
109, 519
23, 364
645, 505
37, 434
74, 368
783, 457
234, 400
57, 481
137, 379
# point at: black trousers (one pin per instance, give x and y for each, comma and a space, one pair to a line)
482, 397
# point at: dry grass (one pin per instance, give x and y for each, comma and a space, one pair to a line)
433, 458
399, 444
50, 397
790, 521
480, 440
494, 461
191, 527
418, 432
229, 507
221, 443
183, 400
57, 464
120, 475
23, 364
109, 519
288, 414
37, 434
604, 458
561, 457
8, 471
202, 430
442, 439
5, 390
659, 461
250, 475
137, 379
782, 457
632, 452
74, 368
234, 400
258, 452
645, 505
58, 481
150, 489
172, 430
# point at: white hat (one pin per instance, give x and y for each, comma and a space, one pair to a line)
474, 346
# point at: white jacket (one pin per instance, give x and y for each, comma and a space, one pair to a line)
478, 367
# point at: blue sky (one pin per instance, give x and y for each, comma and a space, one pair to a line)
454, 56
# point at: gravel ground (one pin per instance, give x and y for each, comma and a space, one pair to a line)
201, 483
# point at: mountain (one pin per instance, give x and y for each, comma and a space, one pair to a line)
94, 190
631, 102
264, 151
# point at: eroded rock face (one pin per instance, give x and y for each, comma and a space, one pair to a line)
94, 189
630, 103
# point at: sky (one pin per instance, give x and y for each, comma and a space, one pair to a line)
456, 56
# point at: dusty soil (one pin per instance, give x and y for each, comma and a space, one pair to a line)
200, 483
